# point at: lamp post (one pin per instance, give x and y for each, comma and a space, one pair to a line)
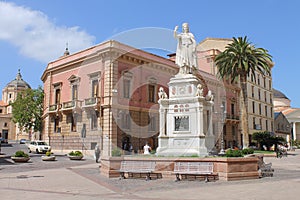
223, 113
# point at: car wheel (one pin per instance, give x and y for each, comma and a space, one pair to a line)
37, 151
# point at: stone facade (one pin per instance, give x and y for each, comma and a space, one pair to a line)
283, 104
282, 126
8, 129
260, 95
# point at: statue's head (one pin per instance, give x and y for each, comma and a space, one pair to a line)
185, 27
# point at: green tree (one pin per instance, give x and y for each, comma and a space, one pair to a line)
265, 138
240, 59
27, 109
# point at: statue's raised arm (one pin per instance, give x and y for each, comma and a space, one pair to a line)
186, 57
175, 31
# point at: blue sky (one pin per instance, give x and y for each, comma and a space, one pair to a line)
33, 33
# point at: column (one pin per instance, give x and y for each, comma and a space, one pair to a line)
162, 121
201, 120
294, 131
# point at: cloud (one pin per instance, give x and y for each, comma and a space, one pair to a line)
36, 36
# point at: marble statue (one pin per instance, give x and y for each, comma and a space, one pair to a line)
209, 96
185, 114
162, 94
186, 57
199, 91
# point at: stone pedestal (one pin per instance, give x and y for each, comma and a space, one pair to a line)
228, 169
185, 119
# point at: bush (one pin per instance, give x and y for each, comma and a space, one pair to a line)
21, 154
48, 153
76, 153
296, 143
116, 152
234, 153
248, 151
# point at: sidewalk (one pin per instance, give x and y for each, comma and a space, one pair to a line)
85, 182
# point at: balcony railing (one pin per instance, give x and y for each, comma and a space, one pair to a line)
232, 117
54, 108
91, 102
70, 105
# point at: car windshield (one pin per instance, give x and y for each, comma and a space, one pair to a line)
41, 143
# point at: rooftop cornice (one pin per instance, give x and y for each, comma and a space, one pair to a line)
111, 50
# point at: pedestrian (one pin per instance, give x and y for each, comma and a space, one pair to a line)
97, 153
130, 148
147, 149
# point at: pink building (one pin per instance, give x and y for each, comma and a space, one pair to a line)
226, 108
107, 95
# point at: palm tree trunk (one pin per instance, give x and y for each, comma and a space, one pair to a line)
244, 111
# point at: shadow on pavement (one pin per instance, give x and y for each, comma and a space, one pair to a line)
5, 160
6, 145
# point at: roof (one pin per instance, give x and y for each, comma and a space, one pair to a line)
286, 111
276, 114
294, 113
213, 43
2, 103
108, 46
218, 43
18, 82
278, 94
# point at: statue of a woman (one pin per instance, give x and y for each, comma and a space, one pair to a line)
186, 57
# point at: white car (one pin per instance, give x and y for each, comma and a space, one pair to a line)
38, 147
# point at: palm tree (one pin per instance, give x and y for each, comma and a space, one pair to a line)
240, 59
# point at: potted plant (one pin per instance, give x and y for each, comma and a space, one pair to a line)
20, 156
48, 156
75, 155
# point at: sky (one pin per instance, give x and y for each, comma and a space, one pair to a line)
34, 33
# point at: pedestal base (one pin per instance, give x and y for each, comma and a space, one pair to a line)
182, 152
187, 146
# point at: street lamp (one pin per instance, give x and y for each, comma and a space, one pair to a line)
223, 113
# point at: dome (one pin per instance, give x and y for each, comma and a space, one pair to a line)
278, 94
18, 82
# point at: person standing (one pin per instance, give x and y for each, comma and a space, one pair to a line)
147, 149
97, 153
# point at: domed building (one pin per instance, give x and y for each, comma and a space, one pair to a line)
282, 104
281, 101
8, 129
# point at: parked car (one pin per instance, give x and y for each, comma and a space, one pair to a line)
38, 147
23, 141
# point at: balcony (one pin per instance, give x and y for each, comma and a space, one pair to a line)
54, 108
233, 118
71, 105
91, 103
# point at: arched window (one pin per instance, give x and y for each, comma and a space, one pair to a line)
187, 108
176, 108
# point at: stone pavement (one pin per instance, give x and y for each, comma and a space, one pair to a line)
85, 182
